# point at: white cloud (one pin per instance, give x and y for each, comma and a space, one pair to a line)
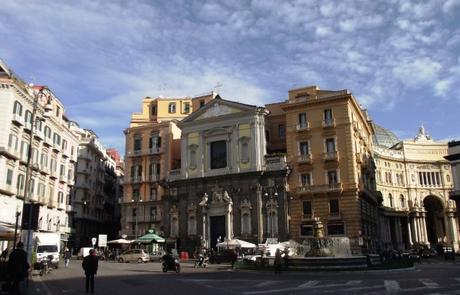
450, 5
322, 31
418, 71
442, 87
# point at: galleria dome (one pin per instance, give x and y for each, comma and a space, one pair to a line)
384, 137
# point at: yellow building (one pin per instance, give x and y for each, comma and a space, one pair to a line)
152, 151
415, 180
329, 148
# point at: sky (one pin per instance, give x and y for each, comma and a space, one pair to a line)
399, 58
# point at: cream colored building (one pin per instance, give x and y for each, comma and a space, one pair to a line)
152, 151
329, 149
415, 181
94, 198
54, 154
454, 158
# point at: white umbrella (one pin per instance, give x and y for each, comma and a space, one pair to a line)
119, 241
6, 232
236, 243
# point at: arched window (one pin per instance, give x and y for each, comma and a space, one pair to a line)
246, 224
245, 152
403, 201
390, 200
191, 225
17, 108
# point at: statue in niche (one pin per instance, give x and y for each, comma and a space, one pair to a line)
227, 198
204, 200
217, 197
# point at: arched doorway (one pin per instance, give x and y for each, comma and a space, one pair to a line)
434, 219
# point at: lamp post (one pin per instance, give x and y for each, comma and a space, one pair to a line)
136, 203
204, 204
270, 196
42, 93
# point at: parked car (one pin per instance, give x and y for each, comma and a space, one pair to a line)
427, 253
222, 256
139, 255
449, 253
156, 256
411, 255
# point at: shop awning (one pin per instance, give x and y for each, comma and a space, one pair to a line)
149, 238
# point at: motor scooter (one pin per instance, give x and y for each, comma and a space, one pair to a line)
171, 263
202, 261
44, 265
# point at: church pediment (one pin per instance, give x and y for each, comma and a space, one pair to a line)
217, 108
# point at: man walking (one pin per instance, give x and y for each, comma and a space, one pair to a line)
18, 267
67, 256
90, 264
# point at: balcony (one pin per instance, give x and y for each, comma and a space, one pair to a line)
42, 200
28, 126
39, 134
56, 147
135, 153
48, 141
303, 126
310, 189
53, 174
62, 178
33, 197
304, 189
10, 152
331, 156
307, 217
305, 159
8, 189
154, 150
329, 123
334, 187
83, 170
174, 175
52, 204
154, 177
61, 206
44, 169
274, 163
17, 119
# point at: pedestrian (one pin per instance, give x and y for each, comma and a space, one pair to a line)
277, 262
90, 264
234, 257
67, 256
286, 257
4, 255
18, 267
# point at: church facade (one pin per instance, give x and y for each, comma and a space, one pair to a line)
227, 186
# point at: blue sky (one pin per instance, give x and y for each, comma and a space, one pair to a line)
401, 59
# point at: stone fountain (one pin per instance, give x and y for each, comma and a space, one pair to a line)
319, 246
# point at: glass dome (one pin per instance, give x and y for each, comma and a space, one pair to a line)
384, 137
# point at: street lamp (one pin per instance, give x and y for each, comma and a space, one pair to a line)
136, 203
204, 205
270, 214
43, 92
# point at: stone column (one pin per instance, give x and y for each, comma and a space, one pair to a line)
409, 232
228, 221
453, 231
423, 225
417, 228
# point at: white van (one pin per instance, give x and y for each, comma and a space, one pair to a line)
47, 244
